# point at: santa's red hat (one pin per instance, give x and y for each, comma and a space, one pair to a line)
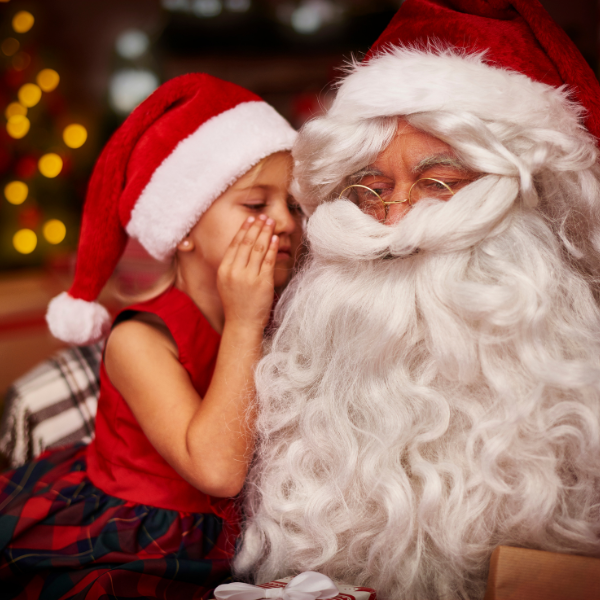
163, 168
498, 59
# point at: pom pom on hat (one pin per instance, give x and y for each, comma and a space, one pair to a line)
176, 153
77, 321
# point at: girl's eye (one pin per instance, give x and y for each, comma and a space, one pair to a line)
256, 207
295, 209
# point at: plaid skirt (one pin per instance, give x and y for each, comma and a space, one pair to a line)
63, 538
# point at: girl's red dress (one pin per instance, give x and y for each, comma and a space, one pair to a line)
113, 519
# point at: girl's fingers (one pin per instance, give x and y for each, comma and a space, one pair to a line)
230, 253
261, 246
246, 245
270, 258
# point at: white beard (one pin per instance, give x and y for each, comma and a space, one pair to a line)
417, 411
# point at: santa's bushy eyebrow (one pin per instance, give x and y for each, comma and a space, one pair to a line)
439, 160
436, 160
366, 172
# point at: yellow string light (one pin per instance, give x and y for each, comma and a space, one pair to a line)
16, 192
29, 94
15, 108
25, 241
75, 135
54, 231
48, 79
10, 46
23, 21
50, 165
17, 126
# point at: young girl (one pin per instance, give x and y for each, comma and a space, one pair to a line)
199, 172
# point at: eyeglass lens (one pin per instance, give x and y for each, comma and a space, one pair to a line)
374, 205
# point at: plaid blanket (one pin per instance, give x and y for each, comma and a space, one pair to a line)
52, 405
63, 538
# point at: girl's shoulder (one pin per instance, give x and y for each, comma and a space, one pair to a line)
138, 344
141, 327
148, 334
146, 322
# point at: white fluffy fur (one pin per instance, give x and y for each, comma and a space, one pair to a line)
77, 321
201, 168
433, 389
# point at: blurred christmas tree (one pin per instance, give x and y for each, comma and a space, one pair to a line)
42, 171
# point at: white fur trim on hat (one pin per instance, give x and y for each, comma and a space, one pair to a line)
201, 168
77, 321
404, 81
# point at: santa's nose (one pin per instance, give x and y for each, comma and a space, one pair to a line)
396, 212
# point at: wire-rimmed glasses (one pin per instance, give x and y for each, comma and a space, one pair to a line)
371, 203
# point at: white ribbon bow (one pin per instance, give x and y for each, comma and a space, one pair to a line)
306, 586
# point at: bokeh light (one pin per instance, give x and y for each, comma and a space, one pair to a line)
29, 94
129, 87
75, 135
25, 241
16, 192
54, 231
132, 44
17, 126
10, 46
206, 8
23, 21
50, 165
48, 79
15, 108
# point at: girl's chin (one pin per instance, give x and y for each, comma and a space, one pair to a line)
282, 276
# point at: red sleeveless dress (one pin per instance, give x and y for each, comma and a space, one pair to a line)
114, 518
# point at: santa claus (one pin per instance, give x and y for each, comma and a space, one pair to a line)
433, 388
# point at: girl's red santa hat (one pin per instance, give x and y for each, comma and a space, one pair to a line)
174, 155
501, 60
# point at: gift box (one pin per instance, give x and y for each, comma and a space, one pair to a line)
347, 592
522, 574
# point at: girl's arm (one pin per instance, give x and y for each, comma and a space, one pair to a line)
208, 441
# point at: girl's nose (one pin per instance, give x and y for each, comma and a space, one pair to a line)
284, 220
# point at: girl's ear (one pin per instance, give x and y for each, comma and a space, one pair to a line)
185, 245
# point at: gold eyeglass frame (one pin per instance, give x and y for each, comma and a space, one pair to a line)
386, 205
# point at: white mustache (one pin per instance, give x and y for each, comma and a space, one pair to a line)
339, 230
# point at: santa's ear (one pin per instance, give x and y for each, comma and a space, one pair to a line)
185, 245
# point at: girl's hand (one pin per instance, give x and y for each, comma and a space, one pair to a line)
245, 279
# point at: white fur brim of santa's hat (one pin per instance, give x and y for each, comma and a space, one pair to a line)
201, 168
77, 321
407, 80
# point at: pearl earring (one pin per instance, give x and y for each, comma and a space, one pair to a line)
186, 243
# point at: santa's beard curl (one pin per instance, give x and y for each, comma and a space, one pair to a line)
433, 390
